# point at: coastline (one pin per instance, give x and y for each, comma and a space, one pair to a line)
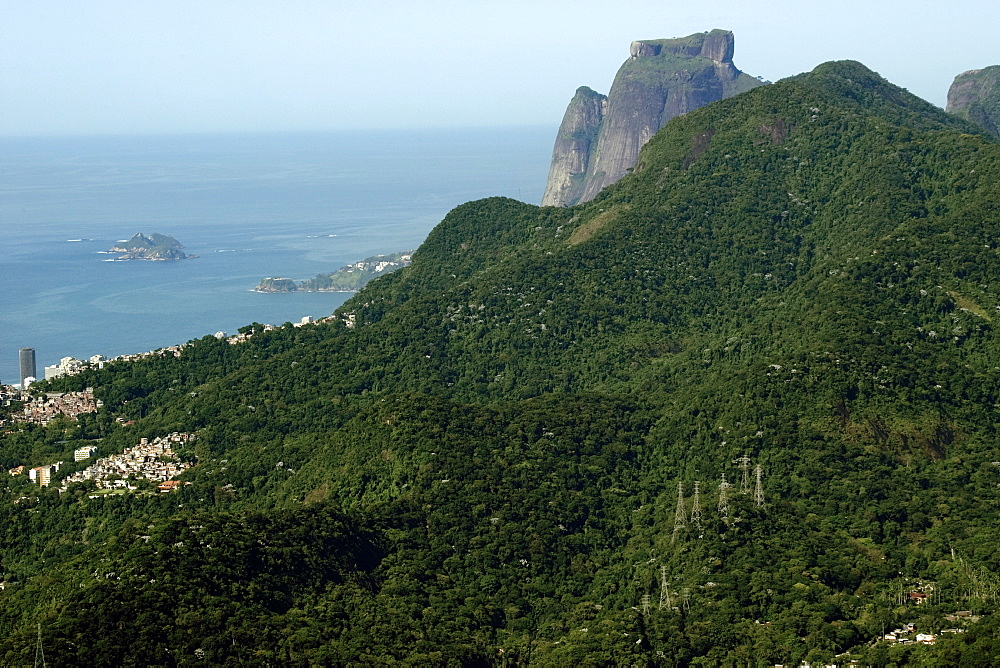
231, 200
288, 292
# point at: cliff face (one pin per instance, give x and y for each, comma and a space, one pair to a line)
975, 96
575, 142
600, 137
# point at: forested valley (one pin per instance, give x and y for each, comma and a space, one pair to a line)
741, 409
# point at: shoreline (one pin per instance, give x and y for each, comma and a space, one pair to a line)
289, 292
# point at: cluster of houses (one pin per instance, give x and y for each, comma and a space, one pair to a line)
69, 366
171, 350
244, 336
153, 460
42, 409
908, 634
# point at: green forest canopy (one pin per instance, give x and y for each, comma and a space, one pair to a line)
491, 456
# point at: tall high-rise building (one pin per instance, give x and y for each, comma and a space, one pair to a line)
26, 356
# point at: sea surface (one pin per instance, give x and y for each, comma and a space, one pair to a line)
248, 205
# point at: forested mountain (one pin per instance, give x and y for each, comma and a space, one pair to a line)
739, 409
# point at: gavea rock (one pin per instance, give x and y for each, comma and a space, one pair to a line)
975, 96
600, 137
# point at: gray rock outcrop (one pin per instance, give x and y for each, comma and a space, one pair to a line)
600, 137
975, 96
575, 143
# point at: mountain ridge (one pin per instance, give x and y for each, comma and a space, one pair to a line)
805, 276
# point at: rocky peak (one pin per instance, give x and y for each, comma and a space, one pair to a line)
716, 45
975, 96
600, 137
574, 145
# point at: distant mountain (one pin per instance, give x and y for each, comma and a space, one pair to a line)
600, 137
975, 96
740, 409
152, 247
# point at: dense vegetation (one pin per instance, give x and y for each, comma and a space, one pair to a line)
478, 461
153, 247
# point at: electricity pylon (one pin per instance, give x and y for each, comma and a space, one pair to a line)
664, 593
724, 499
39, 652
680, 518
744, 463
758, 492
696, 507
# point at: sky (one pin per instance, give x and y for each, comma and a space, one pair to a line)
71, 67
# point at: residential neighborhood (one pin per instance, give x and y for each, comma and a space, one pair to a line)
42, 409
152, 460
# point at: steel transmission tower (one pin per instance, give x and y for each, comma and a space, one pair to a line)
39, 652
724, 499
664, 594
744, 463
696, 507
680, 518
758, 491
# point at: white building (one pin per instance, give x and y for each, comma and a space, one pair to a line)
83, 453
66, 365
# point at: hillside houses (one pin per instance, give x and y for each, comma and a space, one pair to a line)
43, 409
152, 460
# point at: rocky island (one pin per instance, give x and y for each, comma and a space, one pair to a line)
159, 247
350, 278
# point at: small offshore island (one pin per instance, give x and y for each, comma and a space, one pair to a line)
351, 278
159, 247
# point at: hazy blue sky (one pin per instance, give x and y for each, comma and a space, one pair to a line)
128, 66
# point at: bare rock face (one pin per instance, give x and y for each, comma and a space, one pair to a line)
600, 138
975, 96
575, 142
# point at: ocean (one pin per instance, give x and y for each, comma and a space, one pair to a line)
248, 205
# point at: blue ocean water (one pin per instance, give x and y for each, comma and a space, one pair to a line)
248, 206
